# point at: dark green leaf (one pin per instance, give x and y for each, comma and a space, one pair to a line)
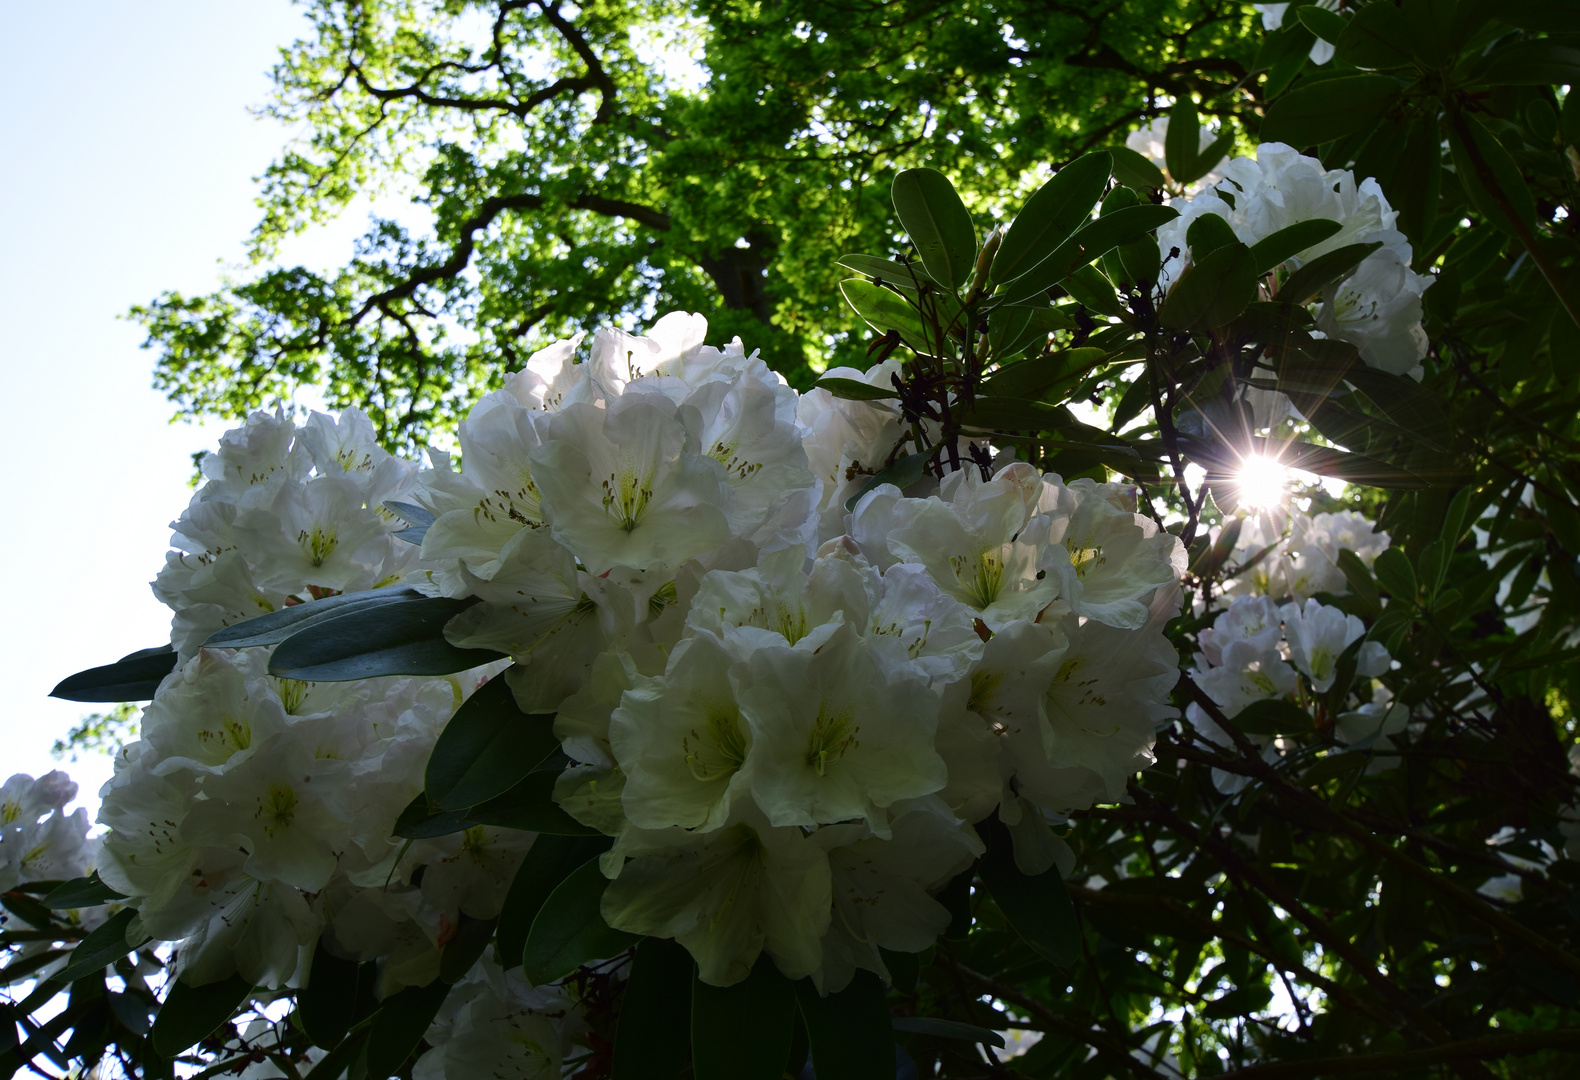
885, 310
1329, 109
99, 949
569, 929
1207, 159
1290, 241
1029, 378
133, 677
1327, 25
1395, 573
850, 1032
80, 893
948, 1029
855, 389
910, 275
327, 1003
1090, 242
653, 1041
1091, 288
276, 626
1490, 175
190, 1014
1010, 414
422, 820
1212, 291
1182, 139
1135, 170
1556, 16
403, 638
1007, 327
342, 1058
1050, 216
488, 746
1207, 234
549, 861
462, 951
400, 1024
1038, 907
742, 1032
1273, 717
1377, 37
1362, 584
938, 224
530, 806
902, 474
1531, 63
1323, 271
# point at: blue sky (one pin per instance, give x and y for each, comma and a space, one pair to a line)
128, 170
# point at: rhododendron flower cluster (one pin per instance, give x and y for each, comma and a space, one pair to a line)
1377, 306
787, 693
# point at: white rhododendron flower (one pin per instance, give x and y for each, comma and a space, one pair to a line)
787, 717
1377, 307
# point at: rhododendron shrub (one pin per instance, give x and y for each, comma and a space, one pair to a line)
972, 703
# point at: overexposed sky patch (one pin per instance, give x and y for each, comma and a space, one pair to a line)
128, 171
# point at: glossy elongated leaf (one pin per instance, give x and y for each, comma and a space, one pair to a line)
275, 626
1327, 25
1291, 240
462, 951
1135, 170
1411, 406
742, 1032
530, 806
99, 949
421, 820
339, 1061
400, 1024
1051, 215
1180, 142
1211, 292
549, 861
1556, 16
1329, 109
1489, 175
191, 1014
1091, 288
937, 223
902, 474
908, 274
569, 929
402, 638
1323, 271
1037, 907
1207, 234
1007, 329
855, 389
417, 521
1029, 378
1273, 717
948, 1029
1362, 584
1378, 36
1395, 574
1532, 63
654, 1038
1010, 414
133, 677
327, 1003
487, 748
1090, 242
1208, 158
80, 892
850, 1033
885, 310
